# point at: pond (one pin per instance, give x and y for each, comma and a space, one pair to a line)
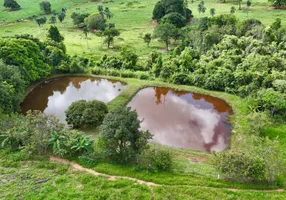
54, 96
183, 119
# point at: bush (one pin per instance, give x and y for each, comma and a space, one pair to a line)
240, 165
86, 114
154, 161
252, 159
78, 18
271, 100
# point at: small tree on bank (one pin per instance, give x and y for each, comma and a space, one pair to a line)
46, 7
12, 4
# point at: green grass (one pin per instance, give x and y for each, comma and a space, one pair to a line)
32, 7
133, 21
40, 179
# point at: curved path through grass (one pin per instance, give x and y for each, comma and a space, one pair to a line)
78, 167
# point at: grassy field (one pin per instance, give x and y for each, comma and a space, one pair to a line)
38, 178
133, 18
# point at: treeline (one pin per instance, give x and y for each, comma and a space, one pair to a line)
221, 53
24, 59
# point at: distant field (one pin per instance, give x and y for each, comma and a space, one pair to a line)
133, 18
31, 7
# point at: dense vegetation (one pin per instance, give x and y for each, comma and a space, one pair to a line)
244, 58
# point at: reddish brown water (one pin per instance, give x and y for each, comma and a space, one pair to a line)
56, 95
183, 120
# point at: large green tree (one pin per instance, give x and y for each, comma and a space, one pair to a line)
164, 7
121, 136
54, 34
109, 34
27, 55
46, 7
165, 32
12, 4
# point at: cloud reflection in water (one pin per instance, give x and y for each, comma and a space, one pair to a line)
177, 119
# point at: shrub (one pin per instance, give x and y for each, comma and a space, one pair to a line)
78, 18
154, 161
240, 165
252, 159
271, 100
122, 140
86, 114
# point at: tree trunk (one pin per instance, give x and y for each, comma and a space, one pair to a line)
167, 45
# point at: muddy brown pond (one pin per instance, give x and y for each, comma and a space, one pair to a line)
54, 96
183, 119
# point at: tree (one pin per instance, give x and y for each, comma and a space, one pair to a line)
61, 17
212, 12
109, 35
95, 21
78, 18
165, 7
248, 4
46, 7
239, 4
107, 13
174, 18
201, 7
31, 63
86, 114
276, 25
54, 34
121, 136
41, 21
278, 3
232, 10
165, 32
85, 31
147, 38
53, 20
12, 4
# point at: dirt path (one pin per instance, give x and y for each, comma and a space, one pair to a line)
78, 167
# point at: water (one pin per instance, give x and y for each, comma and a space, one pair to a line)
183, 119
56, 95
